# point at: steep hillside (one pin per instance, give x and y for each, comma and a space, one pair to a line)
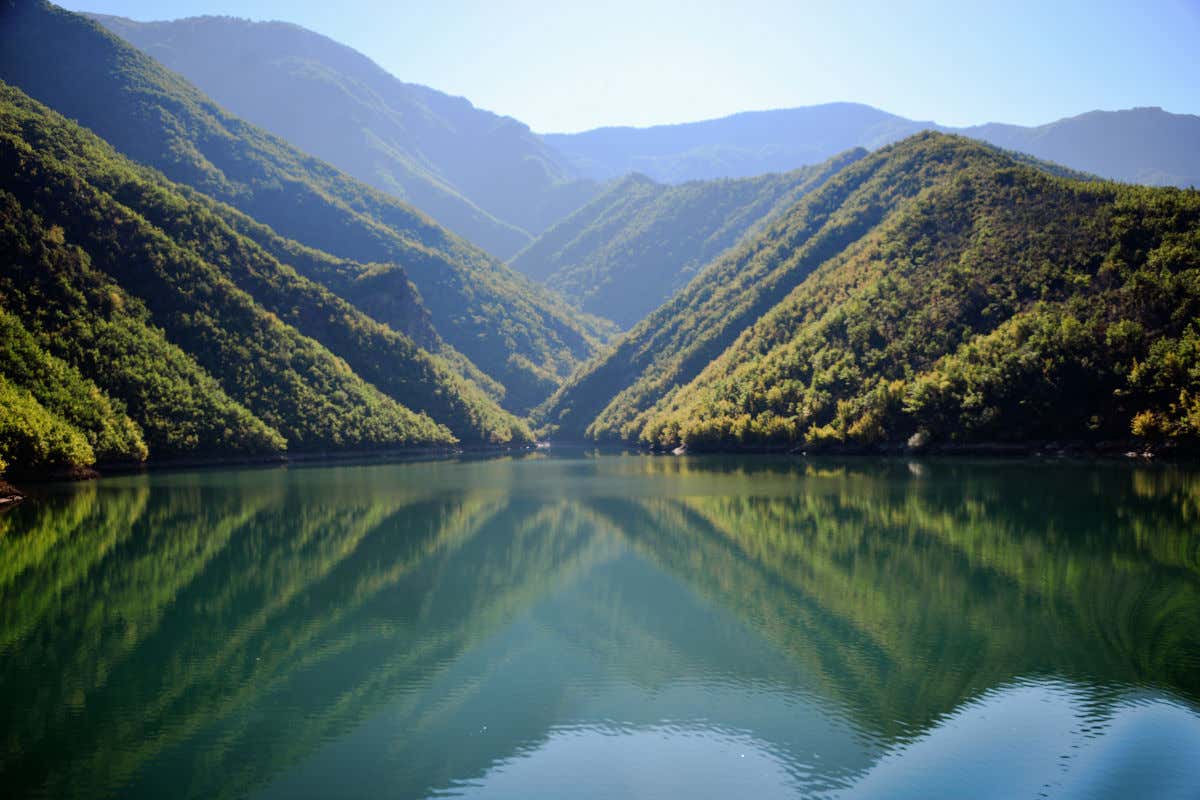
927, 279
486, 177
1002, 304
626, 252
122, 294
523, 336
1141, 145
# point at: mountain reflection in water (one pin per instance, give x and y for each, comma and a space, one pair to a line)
606, 626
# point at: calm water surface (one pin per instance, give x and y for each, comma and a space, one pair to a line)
614, 626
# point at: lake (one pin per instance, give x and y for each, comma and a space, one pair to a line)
594, 626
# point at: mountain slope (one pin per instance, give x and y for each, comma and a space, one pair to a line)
676, 341
485, 177
53, 416
289, 381
630, 249
745, 305
1002, 304
79, 316
389, 360
523, 336
1142, 145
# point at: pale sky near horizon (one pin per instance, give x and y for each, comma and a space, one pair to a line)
568, 66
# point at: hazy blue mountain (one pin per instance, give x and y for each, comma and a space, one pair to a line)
1141, 145
484, 176
638, 242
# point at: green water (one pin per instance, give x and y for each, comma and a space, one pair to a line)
613, 626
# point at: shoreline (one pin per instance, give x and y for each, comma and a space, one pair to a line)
10, 494
1116, 451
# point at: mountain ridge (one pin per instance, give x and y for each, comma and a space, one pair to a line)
664, 384
520, 334
484, 175
772, 140
629, 249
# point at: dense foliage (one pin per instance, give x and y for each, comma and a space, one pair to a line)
388, 360
521, 334
1145, 145
138, 321
630, 249
937, 287
34, 438
60, 388
676, 341
84, 318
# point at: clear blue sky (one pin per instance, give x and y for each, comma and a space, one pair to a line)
567, 66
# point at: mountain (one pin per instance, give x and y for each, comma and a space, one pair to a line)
143, 324
1141, 145
484, 176
939, 288
523, 336
626, 252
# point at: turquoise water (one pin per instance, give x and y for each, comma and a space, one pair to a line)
606, 626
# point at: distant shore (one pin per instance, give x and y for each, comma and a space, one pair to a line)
10, 494
1123, 451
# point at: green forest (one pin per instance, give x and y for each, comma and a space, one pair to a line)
938, 288
523, 336
177, 283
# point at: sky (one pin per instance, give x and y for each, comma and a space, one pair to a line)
567, 65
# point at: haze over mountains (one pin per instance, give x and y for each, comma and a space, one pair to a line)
1140, 145
486, 177
176, 281
491, 180
529, 339
638, 242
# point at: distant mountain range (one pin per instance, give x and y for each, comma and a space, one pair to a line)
1140, 145
494, 182
486, 177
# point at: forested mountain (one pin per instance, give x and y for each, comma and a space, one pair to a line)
523, 336
626, 252
486, 177
938, 288
138, 322
1141, 145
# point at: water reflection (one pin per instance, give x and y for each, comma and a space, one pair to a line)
606, 626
